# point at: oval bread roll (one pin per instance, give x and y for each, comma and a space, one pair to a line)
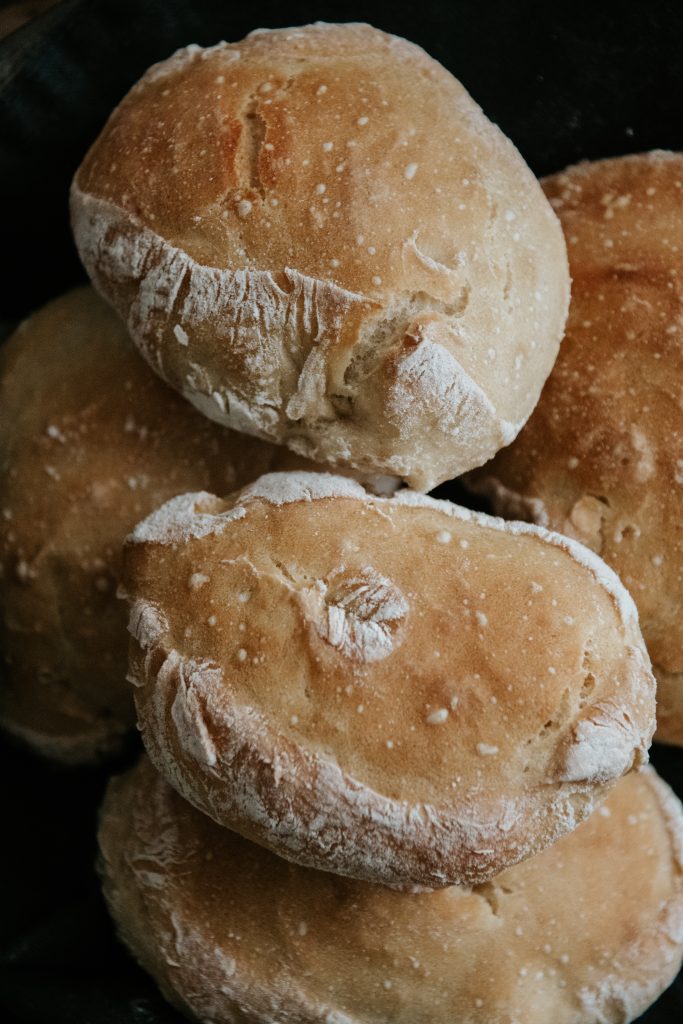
590, 930
318, 238
90, 442
602, 457
395, 689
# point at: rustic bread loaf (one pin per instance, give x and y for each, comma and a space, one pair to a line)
90, 442
396, 689
589, 930
601, 459
318, 238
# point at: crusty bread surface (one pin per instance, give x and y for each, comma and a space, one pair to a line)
601, 459
396, 689
318, 238
589, 930
90, 442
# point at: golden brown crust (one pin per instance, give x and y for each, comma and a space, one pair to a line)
317, 236
601, 459
90, 441
591, 929
395, 689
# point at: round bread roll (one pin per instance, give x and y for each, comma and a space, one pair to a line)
395, 689
318, 238
602, 457
90, 441
590, 930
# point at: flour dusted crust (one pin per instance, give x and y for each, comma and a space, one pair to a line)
589, 930
394, 689
318, 238
601, 459
90, 442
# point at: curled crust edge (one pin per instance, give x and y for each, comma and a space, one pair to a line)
227, 761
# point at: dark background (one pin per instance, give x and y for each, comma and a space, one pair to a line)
564, 82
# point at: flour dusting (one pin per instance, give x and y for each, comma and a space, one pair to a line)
358, 613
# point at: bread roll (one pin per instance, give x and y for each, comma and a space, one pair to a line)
590, 930
318, 238
90, 442
602, 457
394, 689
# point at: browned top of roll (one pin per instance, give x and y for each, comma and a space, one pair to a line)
307, 228
590, 929
397, 689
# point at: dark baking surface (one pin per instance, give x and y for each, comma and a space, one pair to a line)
564, 82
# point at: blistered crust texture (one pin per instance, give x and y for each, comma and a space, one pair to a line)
590, 930
317, 237
601, 459
395, 689
90, 442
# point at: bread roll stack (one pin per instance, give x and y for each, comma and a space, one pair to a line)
377, 725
